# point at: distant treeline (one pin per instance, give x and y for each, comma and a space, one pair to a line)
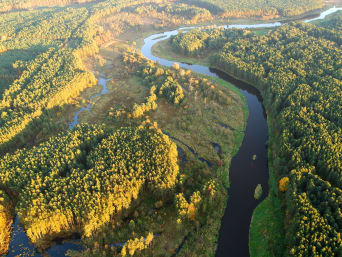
230, 8
258, 8
8, 5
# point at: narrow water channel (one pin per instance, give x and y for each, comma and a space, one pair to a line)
245, 173
102, 82
20, 245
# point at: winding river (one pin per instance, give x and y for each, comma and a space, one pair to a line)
245, 173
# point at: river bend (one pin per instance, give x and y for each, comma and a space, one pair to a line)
245, 173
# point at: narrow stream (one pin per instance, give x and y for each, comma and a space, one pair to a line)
20, 245
245, 173
103, 83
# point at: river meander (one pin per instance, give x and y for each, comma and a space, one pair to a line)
245, 173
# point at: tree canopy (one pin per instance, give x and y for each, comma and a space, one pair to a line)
97, 172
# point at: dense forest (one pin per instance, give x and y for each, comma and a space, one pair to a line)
97, 173
102, 183
46, 82
258, 8
153, 178
297, 67
198, 42
6, 220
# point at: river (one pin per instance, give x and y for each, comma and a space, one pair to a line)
245, 173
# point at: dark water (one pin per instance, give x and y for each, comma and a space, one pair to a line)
20, 245
245, 173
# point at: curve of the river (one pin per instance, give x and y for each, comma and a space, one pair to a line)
245, 173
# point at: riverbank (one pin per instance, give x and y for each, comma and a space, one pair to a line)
267, 224
232, 237
266, 236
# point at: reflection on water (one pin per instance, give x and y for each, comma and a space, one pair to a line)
20, 244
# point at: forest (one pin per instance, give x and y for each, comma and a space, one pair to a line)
46, 82
14, 5
83, 167
45, 63
231, 8
259, 8
297, 68
6, 209
151, 169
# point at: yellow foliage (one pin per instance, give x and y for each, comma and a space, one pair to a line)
284, 184
136, 244
119, 165
5, 223
191, 211
186, 209
124, 251
210, 188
